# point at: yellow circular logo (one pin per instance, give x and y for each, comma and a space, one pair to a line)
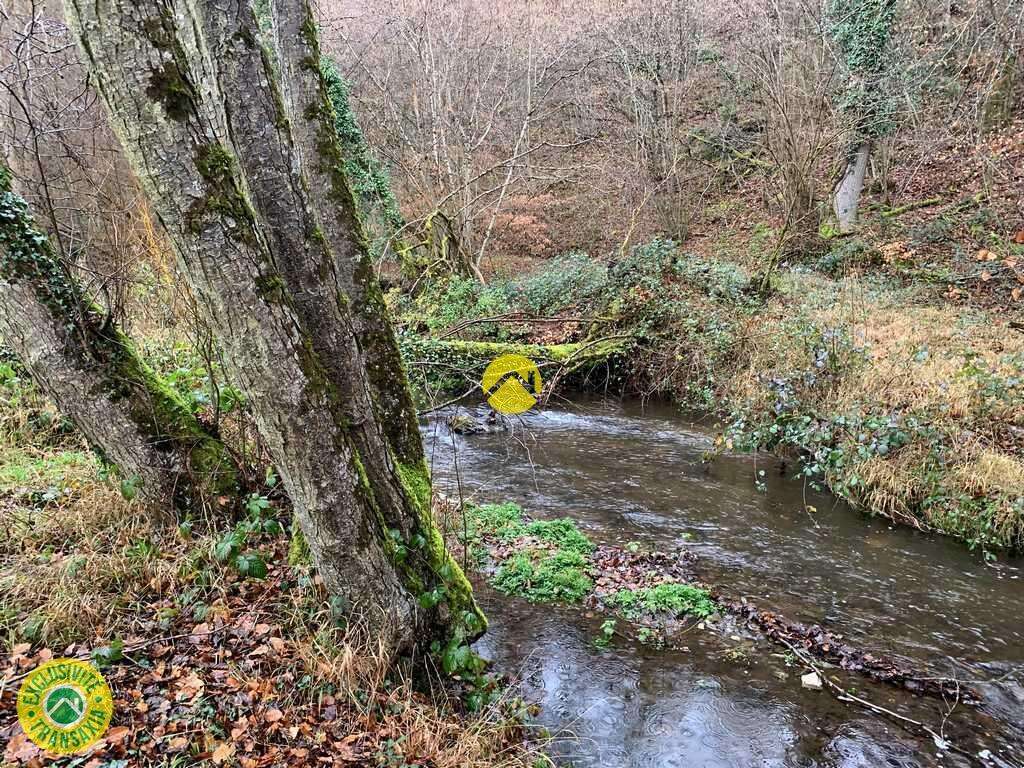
65, 706
512, 384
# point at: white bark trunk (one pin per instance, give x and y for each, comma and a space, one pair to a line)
847, 194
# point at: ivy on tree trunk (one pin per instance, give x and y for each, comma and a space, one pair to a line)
86, 365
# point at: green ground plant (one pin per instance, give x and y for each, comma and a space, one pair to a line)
671, 598
550, 563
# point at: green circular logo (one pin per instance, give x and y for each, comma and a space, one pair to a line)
64, 706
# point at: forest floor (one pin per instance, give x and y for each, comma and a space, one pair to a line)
891, 362
218, 643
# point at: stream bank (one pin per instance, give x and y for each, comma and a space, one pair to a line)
906, 405
628, 474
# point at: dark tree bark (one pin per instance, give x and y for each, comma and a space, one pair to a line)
89, 369
236, 148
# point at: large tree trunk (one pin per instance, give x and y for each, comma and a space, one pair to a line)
93, 375
847, 193
245, 173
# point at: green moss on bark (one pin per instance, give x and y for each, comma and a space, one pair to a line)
93, 342
223, 196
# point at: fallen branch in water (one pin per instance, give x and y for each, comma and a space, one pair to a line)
941, 742
833, 648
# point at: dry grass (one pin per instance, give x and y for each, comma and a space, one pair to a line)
952, 367
989, 472
81, 567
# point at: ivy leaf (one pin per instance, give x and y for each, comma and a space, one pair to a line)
455, 658
108, 654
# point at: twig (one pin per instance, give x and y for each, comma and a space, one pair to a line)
843, 695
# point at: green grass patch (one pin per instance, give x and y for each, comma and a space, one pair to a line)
543, 576
24, 469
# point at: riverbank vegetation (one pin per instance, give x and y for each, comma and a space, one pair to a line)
907, 405
553, 561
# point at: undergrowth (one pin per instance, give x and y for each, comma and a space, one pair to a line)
84, 571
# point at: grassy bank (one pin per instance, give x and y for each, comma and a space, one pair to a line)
903, 401
218, 643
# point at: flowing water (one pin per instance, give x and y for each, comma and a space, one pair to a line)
627, 473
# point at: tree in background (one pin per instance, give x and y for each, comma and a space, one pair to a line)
432, 248
77, 355
237, 149
862, 29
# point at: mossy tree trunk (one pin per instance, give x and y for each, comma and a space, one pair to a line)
237, 150
89, 369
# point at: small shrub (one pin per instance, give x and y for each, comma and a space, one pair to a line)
718, 279
456, 299
568, 280
552, 565
931, 232
847, 254
645, 267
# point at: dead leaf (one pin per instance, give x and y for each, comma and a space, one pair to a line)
223, 752
21, 750
189, 688
985, 276
116, 735
273, 715
1019, 237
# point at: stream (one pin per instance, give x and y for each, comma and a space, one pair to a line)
629, 473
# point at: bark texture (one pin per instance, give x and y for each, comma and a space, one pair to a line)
237, 151
89, 369
847, 194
